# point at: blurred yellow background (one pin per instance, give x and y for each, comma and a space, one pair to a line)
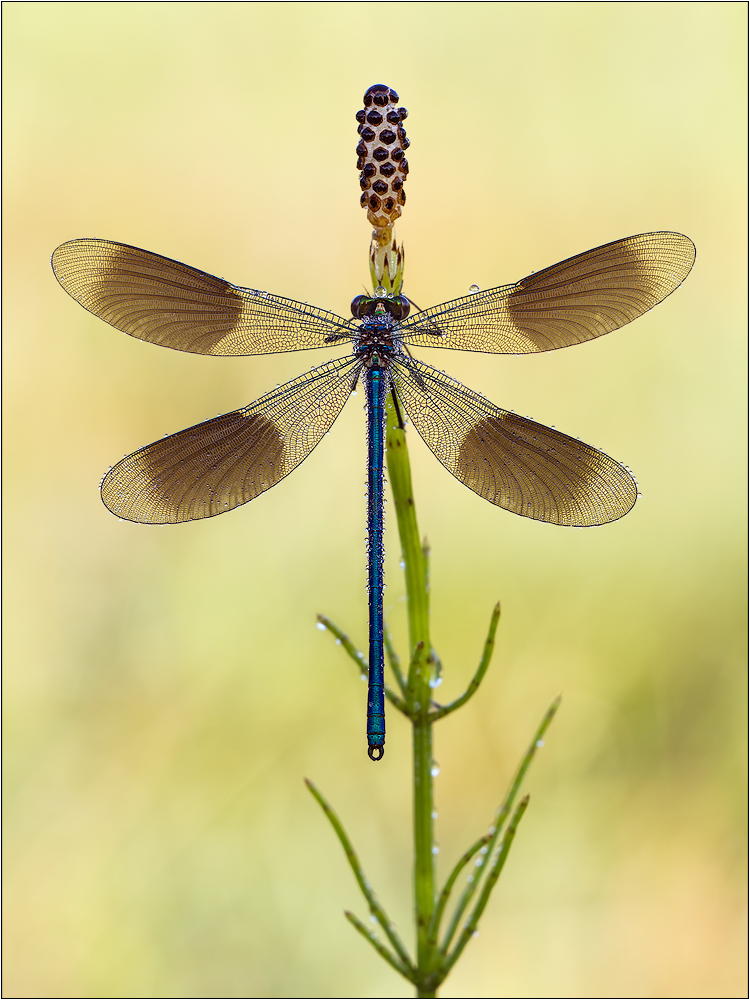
166, 690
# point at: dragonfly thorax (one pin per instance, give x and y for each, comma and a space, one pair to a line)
378, 334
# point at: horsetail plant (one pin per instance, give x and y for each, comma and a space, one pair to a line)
441, 933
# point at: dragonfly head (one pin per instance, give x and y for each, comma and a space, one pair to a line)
396, 306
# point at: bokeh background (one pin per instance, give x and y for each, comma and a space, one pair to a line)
166, 689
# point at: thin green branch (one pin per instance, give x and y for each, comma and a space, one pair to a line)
470, 927
354, 863
501, 815
393, 659
359, 658
437, 914
472, 884
381, 949
489, 645
523, 767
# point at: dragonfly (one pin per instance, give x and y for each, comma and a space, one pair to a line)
512, 461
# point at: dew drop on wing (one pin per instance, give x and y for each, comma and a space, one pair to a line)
473, 289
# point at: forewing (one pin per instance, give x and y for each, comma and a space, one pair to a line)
227, 461
164, 302
512, 461
576, 300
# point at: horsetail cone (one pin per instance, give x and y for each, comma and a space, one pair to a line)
380, 156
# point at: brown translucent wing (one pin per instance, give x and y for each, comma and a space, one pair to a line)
579, 299
222, 463
512, 461
171, 304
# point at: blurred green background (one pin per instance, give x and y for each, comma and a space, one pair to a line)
166, 689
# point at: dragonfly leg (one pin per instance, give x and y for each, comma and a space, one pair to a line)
394, 397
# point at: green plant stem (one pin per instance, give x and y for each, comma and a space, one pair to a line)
418, 692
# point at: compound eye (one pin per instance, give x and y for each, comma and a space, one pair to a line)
360, 304
401, 307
